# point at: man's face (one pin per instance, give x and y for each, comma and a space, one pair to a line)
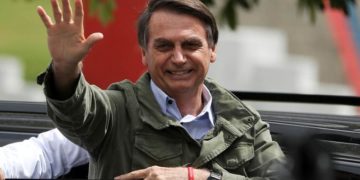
178, 54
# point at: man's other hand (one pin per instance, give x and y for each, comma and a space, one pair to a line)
161, 173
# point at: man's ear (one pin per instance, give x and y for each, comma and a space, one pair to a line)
143, 58
213, 54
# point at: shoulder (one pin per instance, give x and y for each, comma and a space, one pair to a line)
225, 98
120, 86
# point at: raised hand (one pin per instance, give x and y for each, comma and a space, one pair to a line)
66, 41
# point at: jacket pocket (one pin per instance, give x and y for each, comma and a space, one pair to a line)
154, 149
236, 156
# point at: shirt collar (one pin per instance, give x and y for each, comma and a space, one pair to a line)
168, 105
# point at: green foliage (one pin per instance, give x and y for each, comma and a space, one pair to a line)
312, 6
229, 15
103, 9
342, 5
229, 12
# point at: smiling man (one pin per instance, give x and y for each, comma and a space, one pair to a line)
173, 123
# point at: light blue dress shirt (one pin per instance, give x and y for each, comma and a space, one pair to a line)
196, 126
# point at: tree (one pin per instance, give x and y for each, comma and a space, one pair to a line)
228, 14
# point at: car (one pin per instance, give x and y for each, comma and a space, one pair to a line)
306, 138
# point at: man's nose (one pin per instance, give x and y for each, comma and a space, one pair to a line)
178, 56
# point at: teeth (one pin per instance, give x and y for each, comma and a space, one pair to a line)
179, 72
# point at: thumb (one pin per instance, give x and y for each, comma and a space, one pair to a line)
92, 39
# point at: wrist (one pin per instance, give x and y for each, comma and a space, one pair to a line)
65, 79
204, 174
190, 171
201, 174
66, 70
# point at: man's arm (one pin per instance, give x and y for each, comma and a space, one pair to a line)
156, 172
67, 44
49, 155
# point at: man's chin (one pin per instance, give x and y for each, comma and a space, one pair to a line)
182, 88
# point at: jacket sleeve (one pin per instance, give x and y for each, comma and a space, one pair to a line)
268, 162
268, 153
49, 155
85, 118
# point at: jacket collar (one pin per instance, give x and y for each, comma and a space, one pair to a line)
151, 112
230, 113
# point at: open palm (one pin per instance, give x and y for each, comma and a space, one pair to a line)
66, 41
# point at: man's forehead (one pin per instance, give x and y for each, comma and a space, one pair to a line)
163, 15
163, 22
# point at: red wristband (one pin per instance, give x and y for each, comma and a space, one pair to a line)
190, 173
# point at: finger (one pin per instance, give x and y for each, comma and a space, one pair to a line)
66, 11
138, 174
44, 17
92, 39
79, 13
121, 177
57, 11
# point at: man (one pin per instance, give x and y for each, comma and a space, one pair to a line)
173, 123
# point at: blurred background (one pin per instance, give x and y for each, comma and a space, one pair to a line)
292, 46
23, 50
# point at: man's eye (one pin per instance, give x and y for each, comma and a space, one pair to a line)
163, 47
192, 46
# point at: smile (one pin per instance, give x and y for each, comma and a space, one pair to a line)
180, 73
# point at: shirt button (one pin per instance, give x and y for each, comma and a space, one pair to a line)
170, 102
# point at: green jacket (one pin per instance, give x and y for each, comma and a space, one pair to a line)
123, 129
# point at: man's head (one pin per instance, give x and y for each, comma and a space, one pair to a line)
193, 8
178, 39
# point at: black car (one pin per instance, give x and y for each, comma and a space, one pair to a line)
306, 138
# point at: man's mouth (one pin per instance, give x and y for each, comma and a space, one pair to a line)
180, 73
